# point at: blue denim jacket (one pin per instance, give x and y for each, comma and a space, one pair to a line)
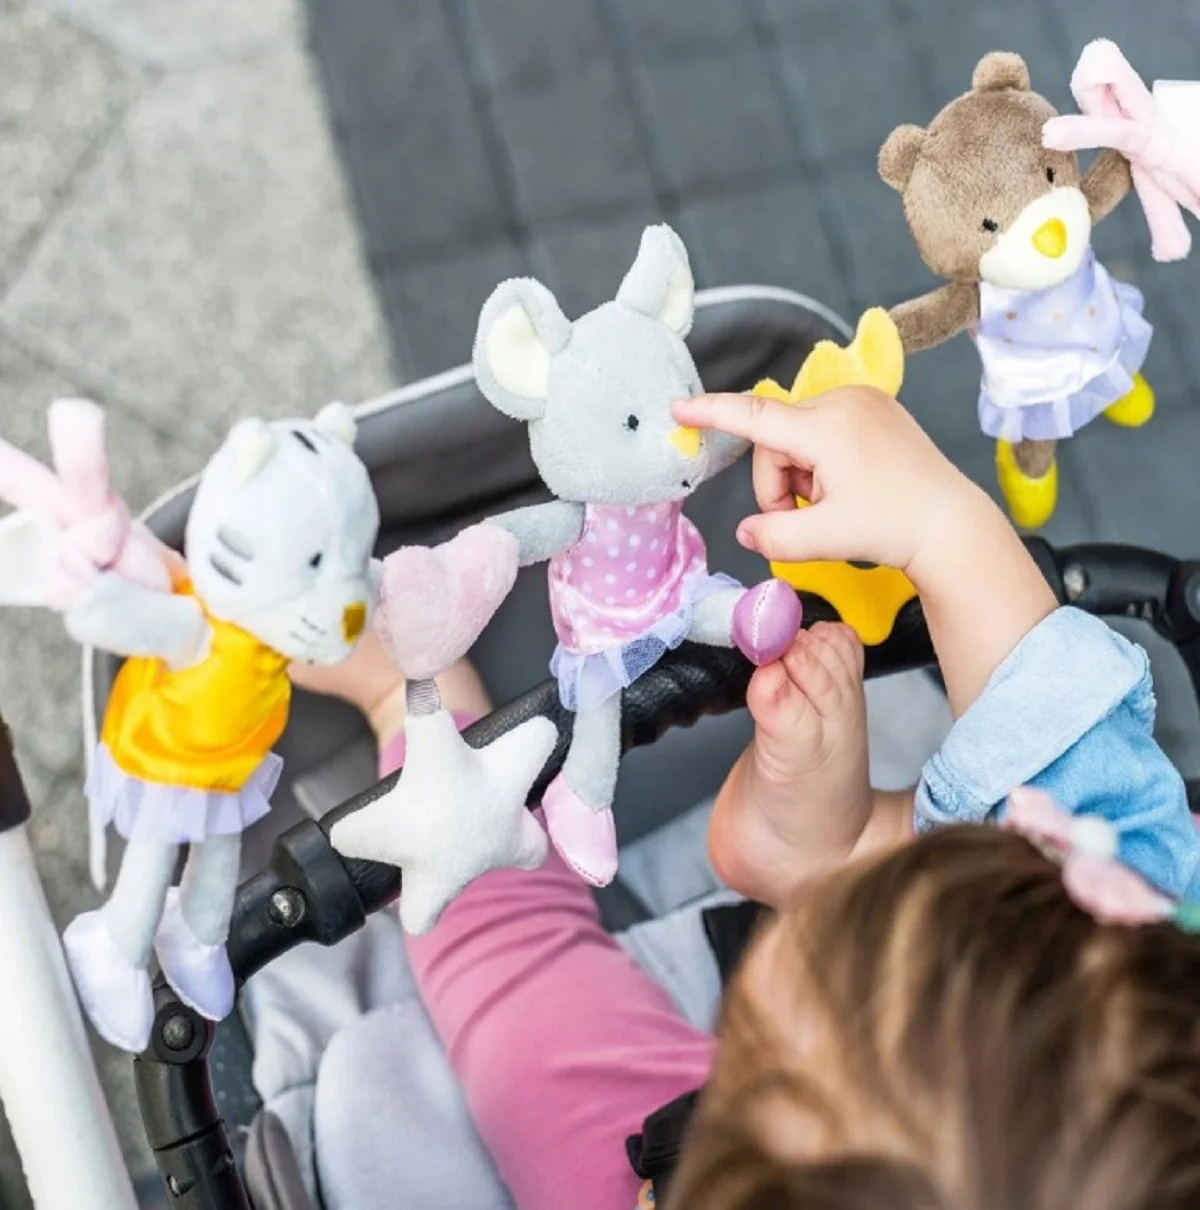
1071, 711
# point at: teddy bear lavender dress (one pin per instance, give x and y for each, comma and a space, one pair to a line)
1055, 359
628, 577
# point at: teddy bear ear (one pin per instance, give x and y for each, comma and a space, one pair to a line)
898, 156
1000, 69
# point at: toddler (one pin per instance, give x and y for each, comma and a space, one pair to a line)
880, 1007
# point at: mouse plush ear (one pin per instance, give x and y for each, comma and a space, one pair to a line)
898, 155
521, 327
660, 283
998, 70
337, 421
249, 446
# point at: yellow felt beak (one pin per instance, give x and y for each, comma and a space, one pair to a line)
685, 440
1050, 239
354, 621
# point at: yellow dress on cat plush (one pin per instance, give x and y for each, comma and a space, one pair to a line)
867, 599
185, 753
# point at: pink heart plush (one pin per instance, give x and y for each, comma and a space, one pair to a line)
435, 601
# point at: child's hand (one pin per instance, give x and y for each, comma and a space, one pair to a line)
880, 490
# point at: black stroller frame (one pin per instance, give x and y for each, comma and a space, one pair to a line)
306, 892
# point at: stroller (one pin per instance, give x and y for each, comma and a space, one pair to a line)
236, 1114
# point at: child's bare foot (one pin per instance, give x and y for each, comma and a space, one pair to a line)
369, 681
799, 796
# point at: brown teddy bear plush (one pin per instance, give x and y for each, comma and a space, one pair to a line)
1009, 223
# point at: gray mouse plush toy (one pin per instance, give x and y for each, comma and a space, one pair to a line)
628, 572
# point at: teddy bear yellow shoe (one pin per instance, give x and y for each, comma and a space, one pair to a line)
1030, 501
867, 599
1136, 408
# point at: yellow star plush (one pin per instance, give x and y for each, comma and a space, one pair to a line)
866, 598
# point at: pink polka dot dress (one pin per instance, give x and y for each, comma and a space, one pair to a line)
622, 597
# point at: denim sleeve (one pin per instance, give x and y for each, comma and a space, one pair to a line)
1070, 711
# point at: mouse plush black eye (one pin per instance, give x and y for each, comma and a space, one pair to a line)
1050, 174
315, 561
631, 423
990, 224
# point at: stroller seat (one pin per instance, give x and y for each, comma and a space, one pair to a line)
330, 1081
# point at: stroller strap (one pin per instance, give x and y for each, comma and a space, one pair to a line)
654, 1153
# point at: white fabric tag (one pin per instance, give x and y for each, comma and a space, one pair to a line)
1178, 104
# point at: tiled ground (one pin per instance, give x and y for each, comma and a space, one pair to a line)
491, 137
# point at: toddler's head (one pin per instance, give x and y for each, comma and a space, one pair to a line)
944, 1028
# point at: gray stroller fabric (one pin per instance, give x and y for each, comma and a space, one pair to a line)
341, 1035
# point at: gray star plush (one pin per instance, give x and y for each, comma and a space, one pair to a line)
456, 813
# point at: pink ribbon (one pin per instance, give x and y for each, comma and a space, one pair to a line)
1087, 848
1119, 112
94, 531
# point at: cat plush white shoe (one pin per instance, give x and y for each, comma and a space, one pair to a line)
200, 974
115, 994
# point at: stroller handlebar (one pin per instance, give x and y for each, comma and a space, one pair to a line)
688, 684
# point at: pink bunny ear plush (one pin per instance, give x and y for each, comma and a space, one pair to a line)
434, 603
88, 525
1119, 111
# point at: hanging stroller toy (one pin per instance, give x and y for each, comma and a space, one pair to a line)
278, 568
628, 571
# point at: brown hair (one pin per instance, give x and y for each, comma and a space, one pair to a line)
943, 1028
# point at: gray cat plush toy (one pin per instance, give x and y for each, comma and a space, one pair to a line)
628, 573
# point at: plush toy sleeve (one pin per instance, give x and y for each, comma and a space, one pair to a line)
1156, 131
867, 599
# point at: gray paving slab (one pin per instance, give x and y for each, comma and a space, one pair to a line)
583, 263
575, 146
949, 37
885, 266
62, 90
184, 33
529, 43
1143, 485
207, 256
436, 306
659, 29
715, 116
852, 76
427, 186
1161, 38
772, 235
396, 59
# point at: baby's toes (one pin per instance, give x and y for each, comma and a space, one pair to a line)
811, 666
778, 708
844, 641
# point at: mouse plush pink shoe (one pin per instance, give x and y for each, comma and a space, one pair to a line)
585, 837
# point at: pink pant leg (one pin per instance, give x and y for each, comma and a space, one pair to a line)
561, 1042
